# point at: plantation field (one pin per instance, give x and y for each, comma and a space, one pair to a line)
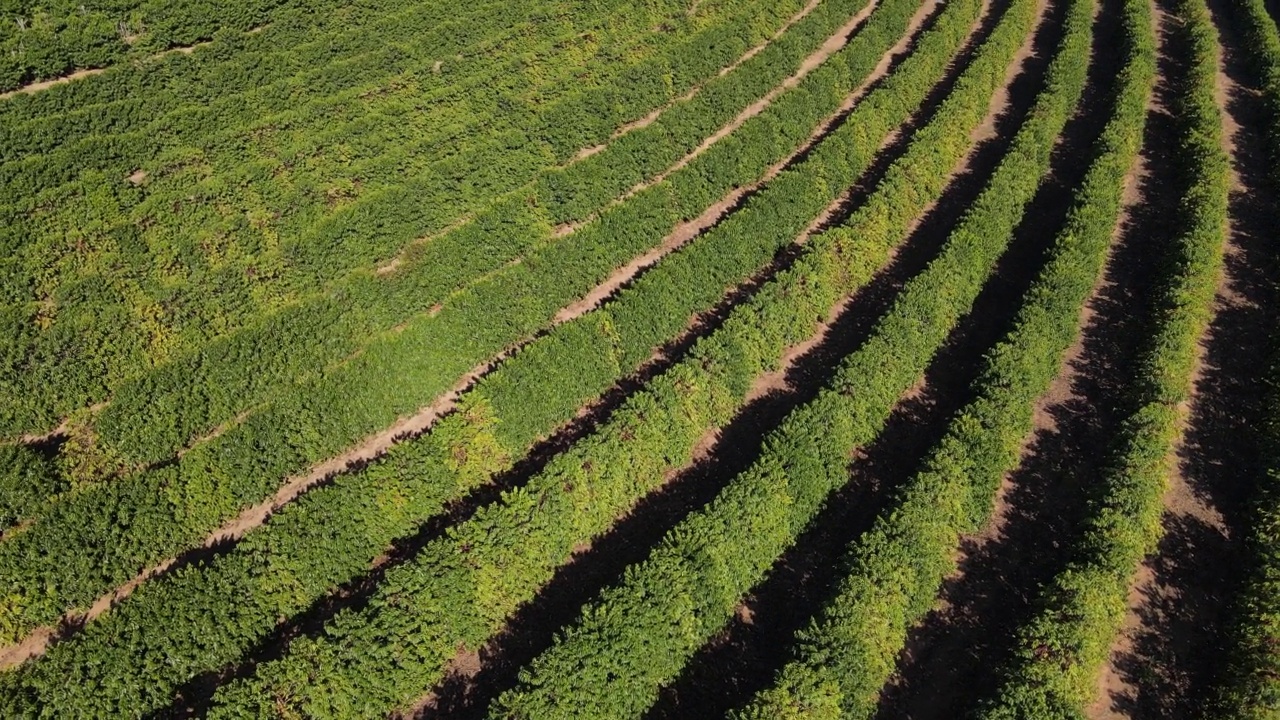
681, 359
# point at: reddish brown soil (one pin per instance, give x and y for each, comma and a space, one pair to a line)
376, 445
772, 395
1168, 653
948, 660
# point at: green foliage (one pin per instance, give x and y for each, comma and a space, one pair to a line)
261, 205
460, 589
159, 412
894, 572
689, 586
1078, 614
26, 479
147, 516
1249, 682
330, 535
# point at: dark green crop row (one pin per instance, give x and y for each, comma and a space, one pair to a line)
843, 658
689, 586
1249, 683
103, 535
50, 39
1262, 45
1060, 650
156, 289
27, 479
157, 413
331, 534
459, 589
243, 77
153, 416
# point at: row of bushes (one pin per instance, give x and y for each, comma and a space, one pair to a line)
1249, 681
188, 397
1060, 650
313, 60
330, 535
54, 38
843, 658
460, 588
157, 413
690, 585
120, 527
273, 238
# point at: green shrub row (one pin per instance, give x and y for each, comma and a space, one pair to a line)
691, 584
843, 658
243, 77
1262, 47
1247, 685
157, 413
1060, 650
50, 39
103, 535
286, 242
461, 587
1249, 682
331, 534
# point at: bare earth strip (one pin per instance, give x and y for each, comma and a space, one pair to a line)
468, 666
1167, 654
90, 72
376, 445
680, 236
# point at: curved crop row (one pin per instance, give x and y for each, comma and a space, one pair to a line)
1263, 48
846, 654
690, 585
104, 535
349, 50
1061, 649
245, 370
162, 269
50, 39
156, 414
1249, 682
459, 589
330, 535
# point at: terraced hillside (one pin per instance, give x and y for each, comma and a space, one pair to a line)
564, 359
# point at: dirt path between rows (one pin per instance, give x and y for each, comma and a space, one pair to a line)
90, 72
396, 262
1168, 653
721, 454
378, 444
950, 656
653, 116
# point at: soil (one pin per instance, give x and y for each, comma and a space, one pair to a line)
1165, 661
809, 365
950, 657
652, 117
